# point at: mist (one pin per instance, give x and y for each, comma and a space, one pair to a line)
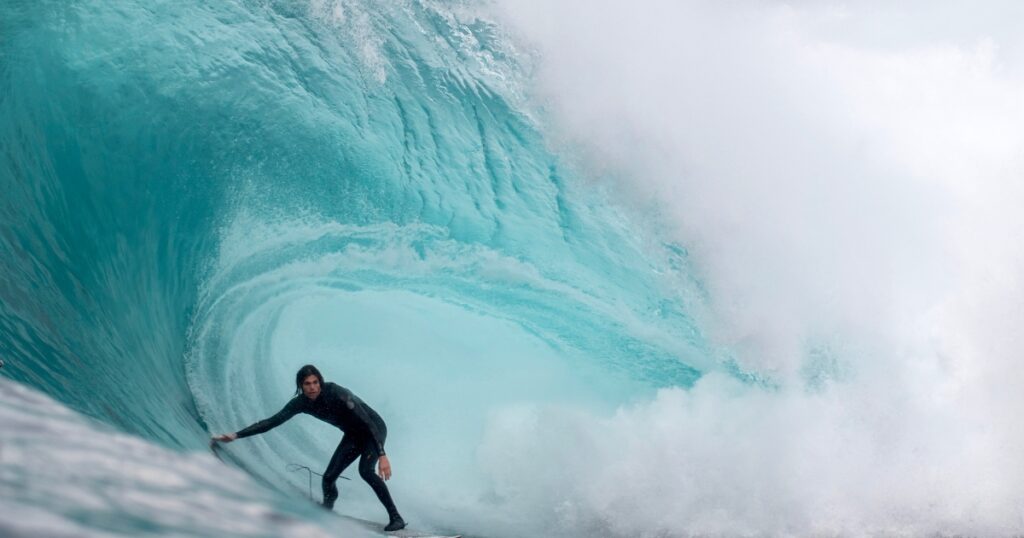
846, 179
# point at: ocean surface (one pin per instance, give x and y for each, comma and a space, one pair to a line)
198, 198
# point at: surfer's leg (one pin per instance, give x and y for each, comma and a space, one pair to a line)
367, 466
344, 455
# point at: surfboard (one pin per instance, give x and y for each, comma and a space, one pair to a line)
404, 533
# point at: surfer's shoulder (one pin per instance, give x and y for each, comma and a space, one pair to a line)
336, 386
297, 402
333, 388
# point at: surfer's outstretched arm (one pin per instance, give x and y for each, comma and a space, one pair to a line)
290, 410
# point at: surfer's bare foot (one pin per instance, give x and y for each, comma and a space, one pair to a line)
397, 523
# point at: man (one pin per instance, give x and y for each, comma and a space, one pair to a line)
364, 434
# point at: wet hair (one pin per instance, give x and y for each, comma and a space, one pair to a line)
305, 372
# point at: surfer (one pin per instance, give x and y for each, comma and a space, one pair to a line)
364, 434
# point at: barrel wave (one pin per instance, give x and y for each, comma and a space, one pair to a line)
664, 269
198, 199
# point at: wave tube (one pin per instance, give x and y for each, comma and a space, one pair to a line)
199, 199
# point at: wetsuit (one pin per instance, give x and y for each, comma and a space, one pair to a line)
364, 430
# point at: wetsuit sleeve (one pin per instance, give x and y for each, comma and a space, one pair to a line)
290, 410
360, 409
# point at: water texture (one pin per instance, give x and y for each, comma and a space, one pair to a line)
198, 199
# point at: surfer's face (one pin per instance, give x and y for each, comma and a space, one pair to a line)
311, 387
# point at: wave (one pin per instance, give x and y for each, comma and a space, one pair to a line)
203, 198
456, 224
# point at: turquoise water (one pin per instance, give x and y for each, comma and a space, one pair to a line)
198, 199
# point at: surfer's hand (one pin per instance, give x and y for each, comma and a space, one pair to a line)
384, 469
226, 438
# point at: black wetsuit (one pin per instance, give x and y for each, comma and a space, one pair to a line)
365, 433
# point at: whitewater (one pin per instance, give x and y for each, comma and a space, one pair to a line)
671, 269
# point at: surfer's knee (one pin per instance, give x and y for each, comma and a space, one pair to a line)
330, 475
366, 470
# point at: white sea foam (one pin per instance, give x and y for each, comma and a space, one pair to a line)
847, 181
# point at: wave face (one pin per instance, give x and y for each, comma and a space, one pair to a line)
199, 199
